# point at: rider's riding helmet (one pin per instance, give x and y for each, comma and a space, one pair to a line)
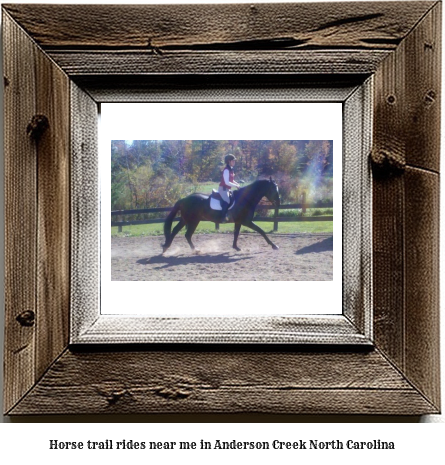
229, 158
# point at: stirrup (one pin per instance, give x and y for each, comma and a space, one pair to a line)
226, 218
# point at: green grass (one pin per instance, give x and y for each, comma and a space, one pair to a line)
206, 227
206, 187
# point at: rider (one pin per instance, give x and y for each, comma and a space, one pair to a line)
226, 184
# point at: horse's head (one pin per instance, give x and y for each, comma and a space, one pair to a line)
272, 193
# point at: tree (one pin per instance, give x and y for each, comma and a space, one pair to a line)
151, 173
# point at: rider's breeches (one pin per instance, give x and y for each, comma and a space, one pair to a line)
224, 194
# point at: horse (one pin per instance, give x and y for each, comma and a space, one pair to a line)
196, 208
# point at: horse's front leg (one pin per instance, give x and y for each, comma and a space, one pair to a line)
188, 235
235, 236
250, 224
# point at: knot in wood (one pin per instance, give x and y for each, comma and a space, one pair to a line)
172, 393
37, 126
430, 97
26, 318
387, 163
114, 397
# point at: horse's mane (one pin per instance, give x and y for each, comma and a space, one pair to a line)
254, 184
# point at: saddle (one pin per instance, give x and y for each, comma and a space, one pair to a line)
216, 200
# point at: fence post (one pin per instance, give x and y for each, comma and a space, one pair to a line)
304, 206
217, 226
275, 223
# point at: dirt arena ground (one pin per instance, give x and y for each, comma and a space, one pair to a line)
304, 257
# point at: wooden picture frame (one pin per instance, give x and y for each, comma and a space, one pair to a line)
60, 67
91, 323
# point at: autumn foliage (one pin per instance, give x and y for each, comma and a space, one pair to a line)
156, 173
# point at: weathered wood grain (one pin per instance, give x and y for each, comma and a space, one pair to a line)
37, 218
108, 329
407, 113
406, 133
218, 87
85, 211
53, 227
356, 210
388, 268
20, 213
340, 25
389, 142
78, 63
219, 381
399, 42
423, 91
422, 325
238, 39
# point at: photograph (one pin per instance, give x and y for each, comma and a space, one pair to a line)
251, 210
179, 209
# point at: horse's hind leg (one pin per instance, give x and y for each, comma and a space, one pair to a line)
191, 227
175, 231
255, 227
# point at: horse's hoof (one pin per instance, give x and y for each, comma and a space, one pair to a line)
237, 248
196, 251
275, 247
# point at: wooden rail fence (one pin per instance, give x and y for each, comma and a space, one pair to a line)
275, 218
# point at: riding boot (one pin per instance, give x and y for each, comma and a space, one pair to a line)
224, 215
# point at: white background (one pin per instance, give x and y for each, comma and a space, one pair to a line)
28, 443
220, 121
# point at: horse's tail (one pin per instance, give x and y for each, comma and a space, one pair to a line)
168, 223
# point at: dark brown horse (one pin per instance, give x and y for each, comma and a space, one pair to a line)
196, 208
